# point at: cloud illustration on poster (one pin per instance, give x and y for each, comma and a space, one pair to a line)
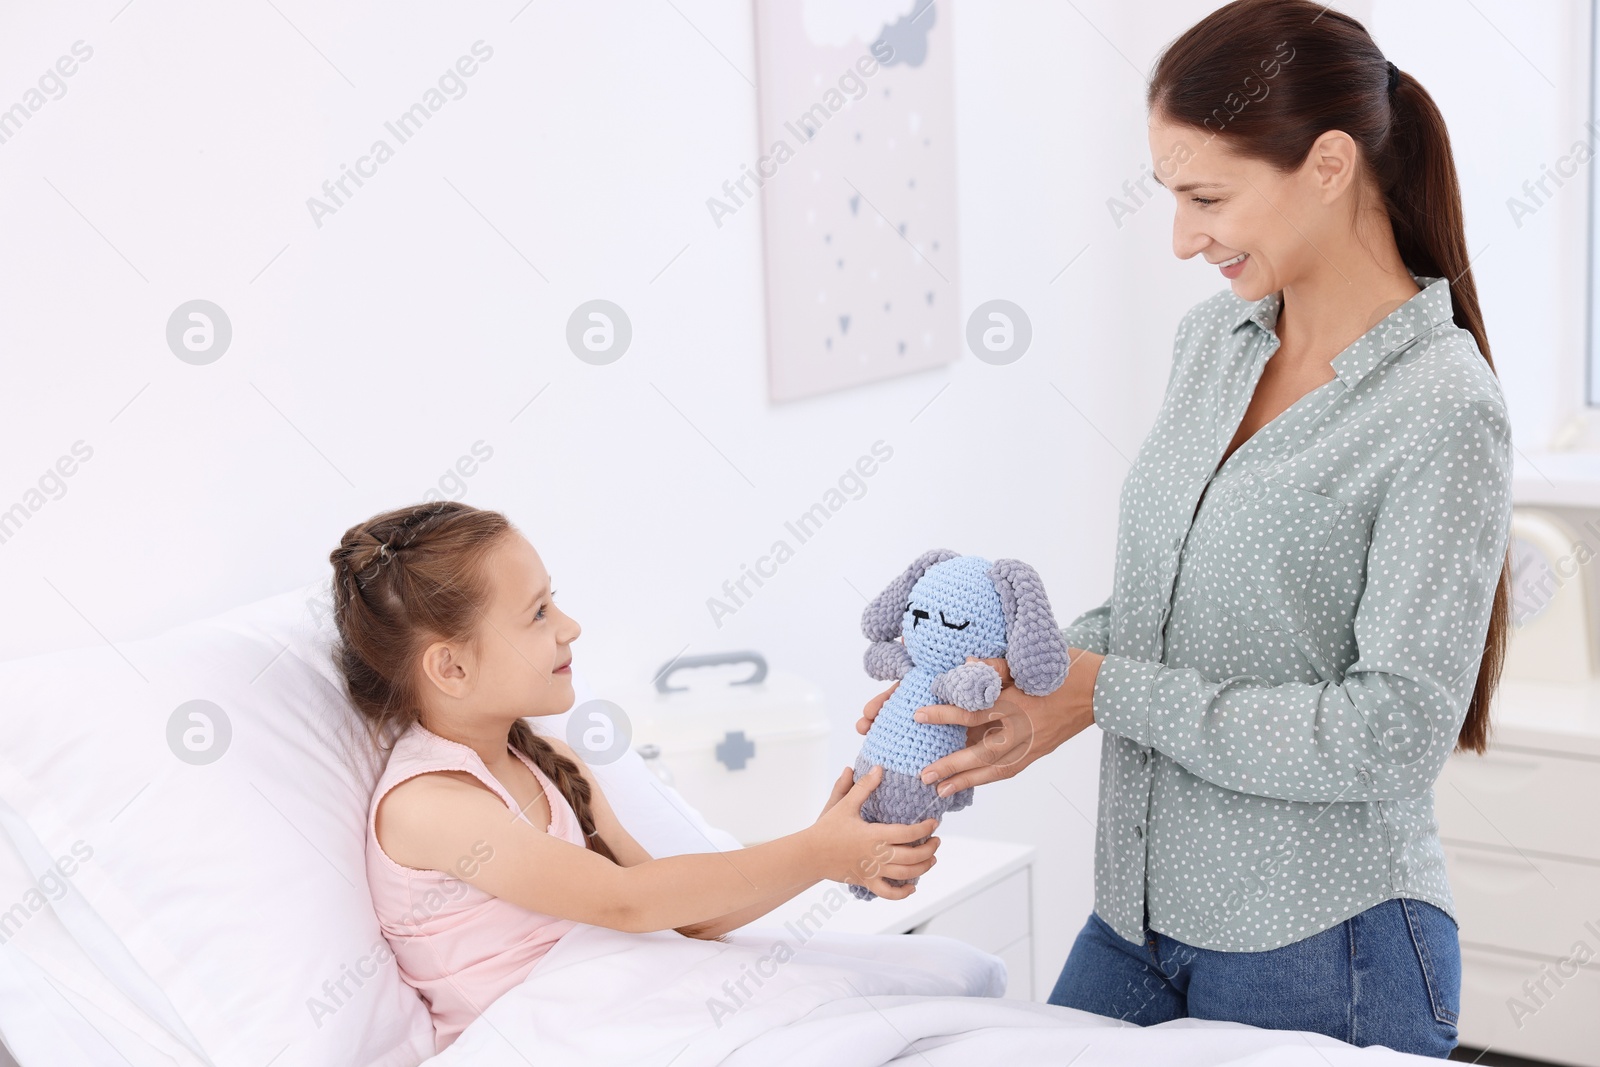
840, 22
907, 37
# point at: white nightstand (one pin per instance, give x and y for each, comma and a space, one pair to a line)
980, 892
1521, 834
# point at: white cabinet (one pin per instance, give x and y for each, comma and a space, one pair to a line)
1521, 832
980, 892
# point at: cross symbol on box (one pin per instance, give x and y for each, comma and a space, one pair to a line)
734, 750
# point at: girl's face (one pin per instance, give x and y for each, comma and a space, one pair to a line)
519, 664
1286, 225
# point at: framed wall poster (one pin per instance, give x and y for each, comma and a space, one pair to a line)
856, 180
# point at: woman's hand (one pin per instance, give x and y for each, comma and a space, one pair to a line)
874, 705
858, 852
1019, 729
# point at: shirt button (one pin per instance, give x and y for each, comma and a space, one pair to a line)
1138, 831
1144, 757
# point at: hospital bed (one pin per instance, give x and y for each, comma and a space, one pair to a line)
182, 882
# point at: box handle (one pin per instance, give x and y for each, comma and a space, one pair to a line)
710, 659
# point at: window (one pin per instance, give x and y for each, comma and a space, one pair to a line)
1592, 382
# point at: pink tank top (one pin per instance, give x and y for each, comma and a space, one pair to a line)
458, 946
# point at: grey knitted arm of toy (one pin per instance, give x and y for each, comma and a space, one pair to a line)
975, 685
886, 660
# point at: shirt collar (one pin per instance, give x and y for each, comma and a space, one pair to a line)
1424, 312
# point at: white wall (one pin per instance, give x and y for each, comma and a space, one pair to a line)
372, 352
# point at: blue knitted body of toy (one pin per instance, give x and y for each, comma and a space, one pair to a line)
953, 613
945, 608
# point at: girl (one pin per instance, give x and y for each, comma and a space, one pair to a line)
487, 841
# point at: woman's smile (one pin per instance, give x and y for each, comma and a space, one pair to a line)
1232, 268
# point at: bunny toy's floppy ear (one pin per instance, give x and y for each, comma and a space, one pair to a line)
880, 622
1036, 653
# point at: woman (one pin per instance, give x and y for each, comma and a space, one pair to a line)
1309, 607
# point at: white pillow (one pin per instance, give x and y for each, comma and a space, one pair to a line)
234, 891
55, 1002
656, 814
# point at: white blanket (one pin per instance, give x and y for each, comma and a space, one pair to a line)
773, 997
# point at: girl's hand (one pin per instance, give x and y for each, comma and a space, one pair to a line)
1019, 729
858, 852
874, 705
841, 787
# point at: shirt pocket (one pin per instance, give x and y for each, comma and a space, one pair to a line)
1258, 551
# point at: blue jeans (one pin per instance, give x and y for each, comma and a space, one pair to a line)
1390, 975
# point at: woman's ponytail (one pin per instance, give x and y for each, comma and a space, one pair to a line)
1417, 173
1418, 177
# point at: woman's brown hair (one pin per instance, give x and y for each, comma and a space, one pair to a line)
404, 579
1271, 76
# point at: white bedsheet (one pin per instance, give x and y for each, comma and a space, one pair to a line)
845, 1000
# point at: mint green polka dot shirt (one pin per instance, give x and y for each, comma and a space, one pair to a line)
1293, 636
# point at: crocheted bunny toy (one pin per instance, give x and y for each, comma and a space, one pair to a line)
944, 608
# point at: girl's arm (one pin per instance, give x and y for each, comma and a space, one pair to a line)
630, 853
437, 822
713, 928
732, 921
